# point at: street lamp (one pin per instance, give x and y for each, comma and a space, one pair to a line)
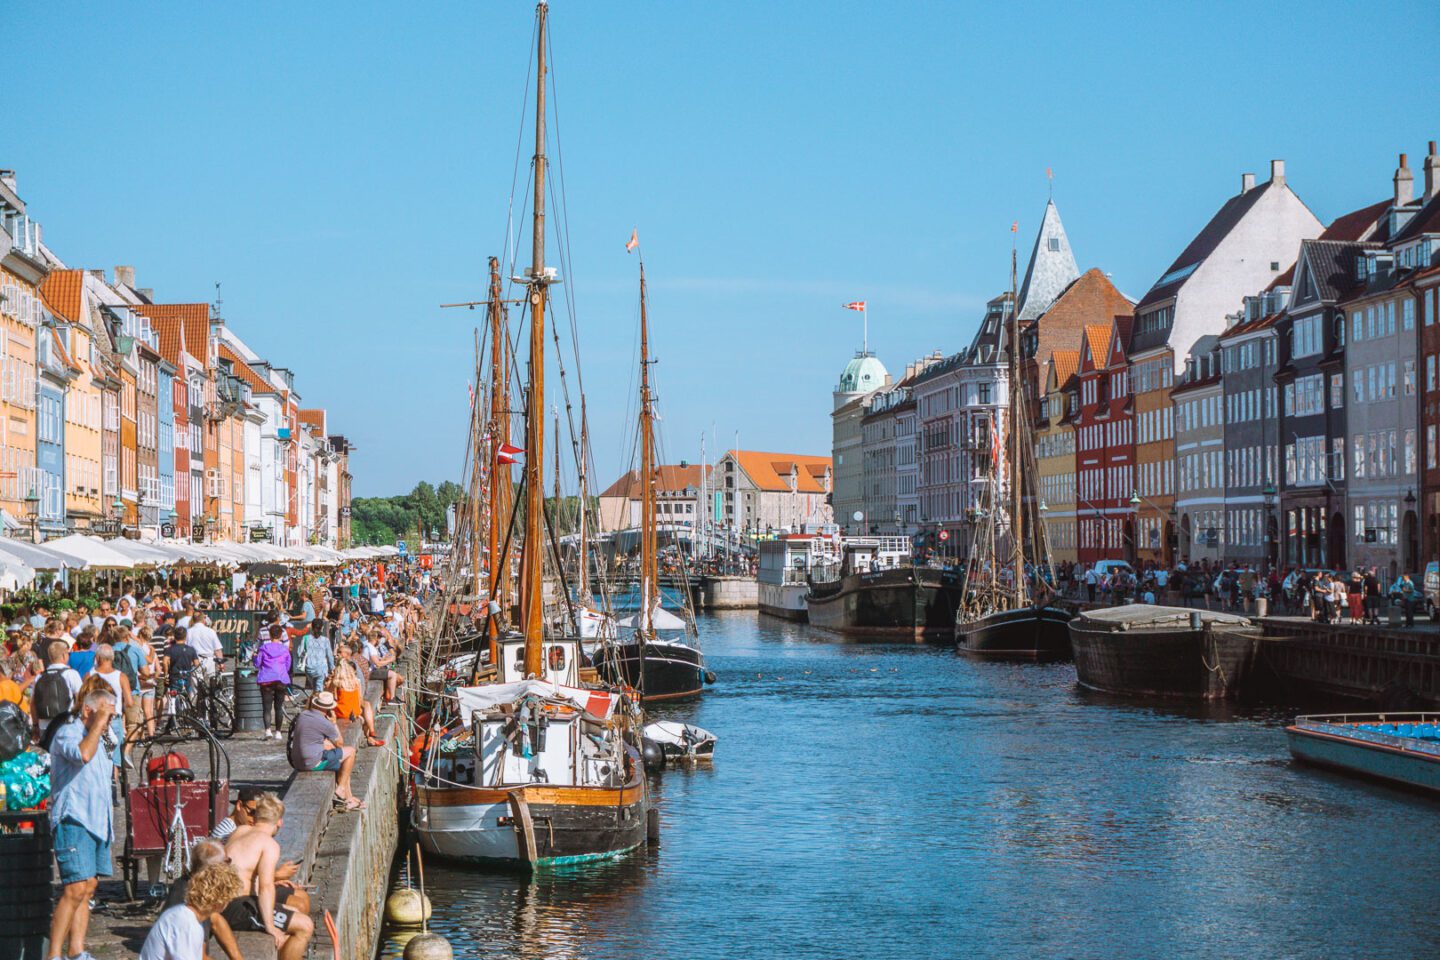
32, 510
1268, 496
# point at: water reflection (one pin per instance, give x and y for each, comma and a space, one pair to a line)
899, 801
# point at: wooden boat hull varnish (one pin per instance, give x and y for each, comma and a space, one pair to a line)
531, 827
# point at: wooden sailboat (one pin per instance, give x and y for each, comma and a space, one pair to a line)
534, 769
659, 668
1004, 613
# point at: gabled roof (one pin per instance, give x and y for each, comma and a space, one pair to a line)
1119, 338
1331, 265
1250, 326
1052, 266
257, 383
1357, 224
669, 478
771, 471
179, 326
62, 292
1095, 346
1204, 244
313, 418
1064, 363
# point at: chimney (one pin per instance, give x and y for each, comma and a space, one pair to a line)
1431, 162
125, 275
7, 177
1404, 184
1277, 173
1247, 182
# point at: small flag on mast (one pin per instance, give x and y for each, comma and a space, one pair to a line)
471, 387
505, 453
634, 240
1015, 227
855, 305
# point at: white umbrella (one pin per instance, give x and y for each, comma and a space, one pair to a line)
39, 557
14, 572
94, 551
143, 554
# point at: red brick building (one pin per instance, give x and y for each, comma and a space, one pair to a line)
1105, 446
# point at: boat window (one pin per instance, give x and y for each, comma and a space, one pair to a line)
557, 658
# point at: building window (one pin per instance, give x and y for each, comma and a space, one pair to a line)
1337, 391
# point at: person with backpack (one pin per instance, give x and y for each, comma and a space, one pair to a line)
133, 661
316, 655
55, 690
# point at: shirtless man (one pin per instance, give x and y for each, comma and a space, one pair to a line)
279, 909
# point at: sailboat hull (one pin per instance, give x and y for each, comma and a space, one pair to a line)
662, 671
567, 825
1028, 633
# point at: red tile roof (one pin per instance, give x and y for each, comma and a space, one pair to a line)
1066, 363
1357, 224
180, 326
314, 418
62, 291
243, 370
672, 478
771, 471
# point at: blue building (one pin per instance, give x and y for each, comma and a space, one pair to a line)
54, 375
165, 411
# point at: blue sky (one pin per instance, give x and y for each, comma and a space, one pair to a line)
343, 169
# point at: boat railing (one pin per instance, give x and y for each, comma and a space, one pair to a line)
1381, 729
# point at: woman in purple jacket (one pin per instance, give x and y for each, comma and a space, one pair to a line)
272, 663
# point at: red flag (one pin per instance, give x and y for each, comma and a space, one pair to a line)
1015, 227
506, 453
855, 305
471, 387
634, 240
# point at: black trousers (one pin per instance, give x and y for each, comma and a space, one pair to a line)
272, 694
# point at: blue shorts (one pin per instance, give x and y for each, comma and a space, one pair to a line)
330, 759
79, 854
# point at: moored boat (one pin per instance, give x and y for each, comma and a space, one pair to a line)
1024, 633
1143, 650
1399, 748
782, 580
875, 591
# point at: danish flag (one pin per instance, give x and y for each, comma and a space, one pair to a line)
633, 242
506, 453
855, 305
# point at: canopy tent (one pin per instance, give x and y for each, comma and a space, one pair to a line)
96, 553
478, 699
143, 554
14, 572
41, 558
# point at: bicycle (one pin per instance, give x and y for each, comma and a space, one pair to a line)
206, 699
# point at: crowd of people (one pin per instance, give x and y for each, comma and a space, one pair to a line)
94, 679
1359, 596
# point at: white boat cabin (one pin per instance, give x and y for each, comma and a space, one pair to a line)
561, 660
866, 555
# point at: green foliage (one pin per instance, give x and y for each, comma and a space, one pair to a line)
378, 520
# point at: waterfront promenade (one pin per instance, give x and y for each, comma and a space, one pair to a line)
344, 858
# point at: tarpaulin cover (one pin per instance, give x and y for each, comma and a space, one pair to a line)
487, 696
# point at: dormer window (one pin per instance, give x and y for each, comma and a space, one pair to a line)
1362, 267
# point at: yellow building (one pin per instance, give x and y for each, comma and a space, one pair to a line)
22, 270
76, 313
1055, 453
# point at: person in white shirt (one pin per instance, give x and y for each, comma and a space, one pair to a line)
180, 932
201, 636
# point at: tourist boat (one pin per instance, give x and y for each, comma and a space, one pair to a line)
1145, 650
1400, 748
1004, 613
872, 589
783, 577
535, 768
659, 668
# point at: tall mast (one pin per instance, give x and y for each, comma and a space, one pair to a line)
555, 510
1017, 520
584, 580
531, 594
499, 473
648, 573
477, 476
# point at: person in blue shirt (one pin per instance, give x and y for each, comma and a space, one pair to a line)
82, 655
81, 817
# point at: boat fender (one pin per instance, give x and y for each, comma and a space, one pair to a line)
652, 825
709, 676
653, 754
429, 946
407, 907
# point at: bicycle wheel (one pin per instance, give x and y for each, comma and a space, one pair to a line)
221, 718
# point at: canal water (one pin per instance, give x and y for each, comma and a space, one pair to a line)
881, 801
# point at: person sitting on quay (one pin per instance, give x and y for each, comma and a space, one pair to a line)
378, 657
315, 744
205, 853
349, 690
265, 904
81, 816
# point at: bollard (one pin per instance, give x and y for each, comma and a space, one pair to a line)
1194, 619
